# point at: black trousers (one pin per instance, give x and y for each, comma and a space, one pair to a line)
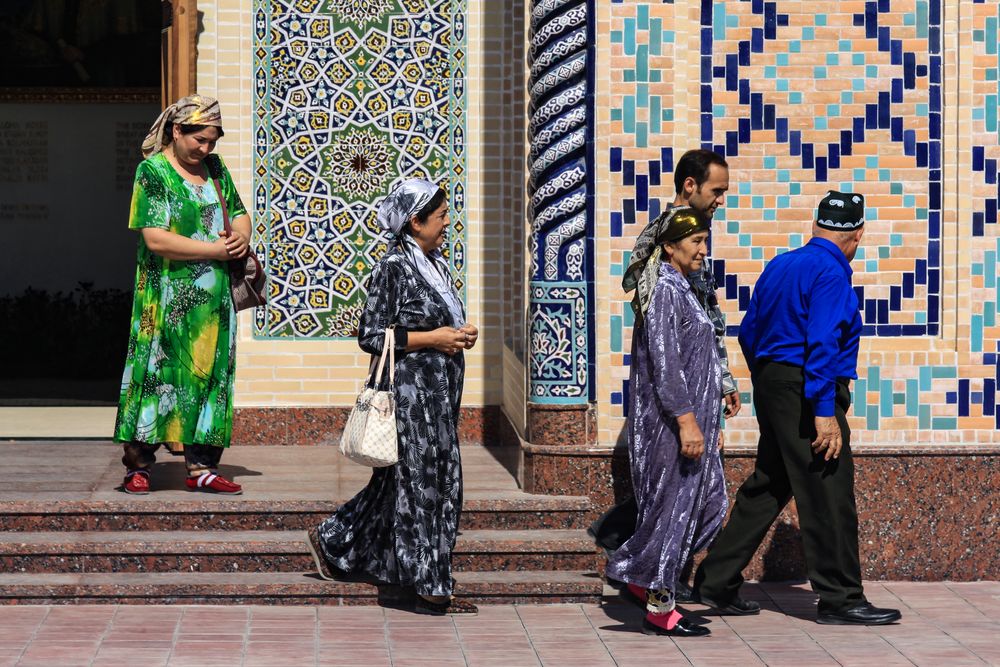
786, 467
198, 458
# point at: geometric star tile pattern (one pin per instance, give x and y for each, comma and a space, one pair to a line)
351, 97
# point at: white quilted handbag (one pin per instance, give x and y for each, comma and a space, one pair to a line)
370, 433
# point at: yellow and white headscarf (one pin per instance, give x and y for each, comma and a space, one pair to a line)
190, 110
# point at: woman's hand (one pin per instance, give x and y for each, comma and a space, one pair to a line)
691, 437
220, 252
471, 335
237, 245
449, 340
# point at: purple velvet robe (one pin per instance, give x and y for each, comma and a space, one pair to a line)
682, 502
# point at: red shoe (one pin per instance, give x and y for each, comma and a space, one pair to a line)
137, 483
638, 594
213, 483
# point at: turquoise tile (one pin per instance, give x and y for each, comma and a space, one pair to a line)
628, 317
732, 21
756, 252
668, 36
770, 72
858, 84
781, 251
899, 398
896, 188
642, 96
920, 317
784, 176
991, 75
808, 34
668, 115
991, 110
745, 241
925, 378
642, 63
642, 134
857, 58
912, 398
757, 201
874, 375
617, 37
628, 121
884, 175
990, 267
616, 333
820, 19
859, 174
655, 76
860, 254
846, 46
616, 114
770, 215
795, 240
744, 188
795, 98
720, 214
883, 252
770, 162
819, 72
924, 420
719, 21
922, 21
820, 123
795, 46
977, 269
629, 46
922, 110
860, 398
978, 36
921, 214
886, 398
846, 97
629, 76
872, 420
732, 226
991, 35
871, 266
978, 114
909, 19
833, 59
944, 423
616, 270
642, 17
795, 188
871, 71
781, 85
871, 213
732, 200
910, 201
895, 240
655, 117
784, 201
989, 314
871, 161
719, 110
976, 342
944, 372
781, 59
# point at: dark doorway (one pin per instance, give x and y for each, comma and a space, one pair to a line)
80, 84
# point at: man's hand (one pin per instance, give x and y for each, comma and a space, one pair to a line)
733, 404
828, 437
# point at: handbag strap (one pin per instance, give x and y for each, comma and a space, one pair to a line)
388, 350
222, 202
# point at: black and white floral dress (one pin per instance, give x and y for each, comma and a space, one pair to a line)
401, 527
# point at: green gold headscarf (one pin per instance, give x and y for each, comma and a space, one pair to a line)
190, 110
644, 265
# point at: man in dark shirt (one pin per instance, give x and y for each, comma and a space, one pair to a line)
701, 179
800, 337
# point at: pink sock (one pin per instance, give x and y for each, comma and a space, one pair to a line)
666, 621
637, 591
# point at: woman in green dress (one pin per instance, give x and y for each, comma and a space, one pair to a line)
177, 388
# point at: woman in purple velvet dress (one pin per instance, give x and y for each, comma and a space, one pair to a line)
674, 420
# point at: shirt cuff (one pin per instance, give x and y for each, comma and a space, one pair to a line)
402, 336
824, 407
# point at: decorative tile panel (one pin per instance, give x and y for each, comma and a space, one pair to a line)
351, 97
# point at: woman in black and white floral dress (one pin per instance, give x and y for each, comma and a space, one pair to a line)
401, 527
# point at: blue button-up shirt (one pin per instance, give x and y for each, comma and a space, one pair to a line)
804, 312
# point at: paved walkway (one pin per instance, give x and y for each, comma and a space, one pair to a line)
944, 625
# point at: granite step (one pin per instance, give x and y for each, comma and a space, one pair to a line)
285, 588
510, 510
68, 552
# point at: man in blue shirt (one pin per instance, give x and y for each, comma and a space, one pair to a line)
800, 338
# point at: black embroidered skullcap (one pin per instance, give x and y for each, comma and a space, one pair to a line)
841, 211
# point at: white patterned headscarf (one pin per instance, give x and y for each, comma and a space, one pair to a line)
393, 213
403, 203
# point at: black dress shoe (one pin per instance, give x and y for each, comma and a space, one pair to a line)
863, 614
738, 606
684, 628
683, 594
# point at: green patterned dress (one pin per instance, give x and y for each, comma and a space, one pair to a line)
177, 388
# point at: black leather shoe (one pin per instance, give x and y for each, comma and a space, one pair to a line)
683, 594
684, 628
738, 606
863, 614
